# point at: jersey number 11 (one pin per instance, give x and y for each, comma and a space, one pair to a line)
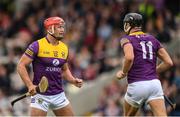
149, 45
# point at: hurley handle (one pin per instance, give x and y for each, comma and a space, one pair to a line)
20, 98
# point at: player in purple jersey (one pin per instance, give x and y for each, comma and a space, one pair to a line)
140, 54
49, 58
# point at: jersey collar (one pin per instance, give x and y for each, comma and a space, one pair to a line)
137, 33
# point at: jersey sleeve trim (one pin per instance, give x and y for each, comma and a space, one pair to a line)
32, 50
125, 44
124, 41
28, 55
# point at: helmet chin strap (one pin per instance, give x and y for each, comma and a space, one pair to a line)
51, 33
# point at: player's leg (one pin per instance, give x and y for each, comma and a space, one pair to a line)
129, 110
39, 105
135, 96
158, 107
132, 101
65, 111
61, 105
37, 112
156, 99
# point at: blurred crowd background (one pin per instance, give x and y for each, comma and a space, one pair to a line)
92, 31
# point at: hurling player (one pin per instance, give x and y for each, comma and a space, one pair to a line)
48, 56
140, 53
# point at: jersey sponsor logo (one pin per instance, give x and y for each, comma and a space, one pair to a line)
29, 52
53, 69
56, 62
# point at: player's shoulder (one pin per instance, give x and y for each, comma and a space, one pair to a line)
151, 37
63, 45
36, 41
124, 39
41, 40
33, 44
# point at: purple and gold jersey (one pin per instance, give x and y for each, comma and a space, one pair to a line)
47, 61
145, 49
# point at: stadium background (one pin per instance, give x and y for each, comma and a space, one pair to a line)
92, 31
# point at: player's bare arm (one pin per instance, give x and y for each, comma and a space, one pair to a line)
22, 70
70, 78
128, 58
166, 61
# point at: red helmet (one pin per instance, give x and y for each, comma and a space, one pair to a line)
52, 21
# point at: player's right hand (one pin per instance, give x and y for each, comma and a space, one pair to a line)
32, 90
120, 74
78, 82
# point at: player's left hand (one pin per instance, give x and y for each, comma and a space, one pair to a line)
78, 82
120, 74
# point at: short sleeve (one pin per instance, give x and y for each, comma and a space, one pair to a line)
159, 45
32, 50
124, 41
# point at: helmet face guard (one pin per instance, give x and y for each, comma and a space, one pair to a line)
132, 20
127, 27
